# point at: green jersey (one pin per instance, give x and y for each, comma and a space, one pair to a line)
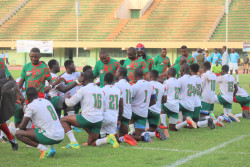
177, 68
149, 61
190, 60
161, 63
131, 65
4, 67
216, 69
35, 76
101, 69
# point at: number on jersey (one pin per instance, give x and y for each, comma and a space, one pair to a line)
230, 86
191, 90
198, 91
177, 91
213, 85
128, 96
98, 101
146, 95
52, 112
156, 91
113, 102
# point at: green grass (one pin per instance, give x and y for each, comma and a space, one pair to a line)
188, 142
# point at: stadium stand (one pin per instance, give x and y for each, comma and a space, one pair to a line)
56, 20
175, 20
7, 6
238, 23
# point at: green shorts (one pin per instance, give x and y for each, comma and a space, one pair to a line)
169, 112
125, 121
186, 112
206, 106
18, 116
224, 102
140, 122
93, 127
45, 140
196, 113
243, 101
153, 118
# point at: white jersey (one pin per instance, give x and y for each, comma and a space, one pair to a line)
160, 92
241, 92
226, 83
172, 89
197, 91
126, 89
208, 87
23, 88
141, 95
91, 97
44, 117
54, 92
187, 92
68, 79
112, 97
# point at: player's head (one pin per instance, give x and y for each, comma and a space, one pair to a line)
199, 50
184, 50
108, 78
215, 50
224, 48
54, 66
206, 66
2, 73
163, 52
131, 52
154, 74
216, 62
194, 68
171, 73
184, 69
104, 57
35, 56
88, 77
232, 50
69, 66
121, 62
138, 73
224, 69
206, 53
86, 68
121, 73
183, 60
31, 94
140, 49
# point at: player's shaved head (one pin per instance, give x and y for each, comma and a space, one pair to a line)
225, 68
35, 50
171, 72
185, 69
132, 50
194, 67
86, 68
31, 94
154, 74
109, 78
207, 65
122, 71
2, 73
138, 73
88, 76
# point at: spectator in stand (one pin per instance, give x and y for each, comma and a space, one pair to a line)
246, 62
216, 69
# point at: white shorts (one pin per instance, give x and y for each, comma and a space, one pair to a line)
108, 127
233, 66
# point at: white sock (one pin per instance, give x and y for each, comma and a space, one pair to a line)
71, 113
164, 119
13, 130
227, 111
207, 117
151, 134
180, 116
42, 147
71, 136
237, 76
132, 127
147, 125
3, 134
239, 115
181, 125
121, 139
102, 141
221, 118
202, 124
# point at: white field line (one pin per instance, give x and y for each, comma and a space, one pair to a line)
199, 154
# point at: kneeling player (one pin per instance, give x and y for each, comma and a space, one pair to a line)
47, 131
91, 98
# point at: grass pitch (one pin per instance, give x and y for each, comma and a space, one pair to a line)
180, 145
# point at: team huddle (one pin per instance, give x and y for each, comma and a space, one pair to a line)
126, 101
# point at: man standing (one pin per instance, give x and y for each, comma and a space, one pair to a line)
177, 67
234, 60
208, 58
225, 56
246, 62
196, 53
216, 69
184, 52
133, 62
215, 56
200, 59
105, 65
162, 62
7, 58
35, 73
140, 49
